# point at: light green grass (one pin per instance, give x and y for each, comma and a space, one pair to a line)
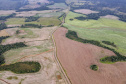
103, 34
52, 14
58, 5
29, 33
101, 23
42, 21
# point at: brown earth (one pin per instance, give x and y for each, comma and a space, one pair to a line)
85, 11
77, 57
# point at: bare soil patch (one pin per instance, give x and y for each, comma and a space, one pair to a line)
77, 57
3, 33
110, 17
4, 12
85, 11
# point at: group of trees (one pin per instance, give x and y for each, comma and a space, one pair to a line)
31, 18
8, 16
73, 35
109, 43
22, 67
3, 26
31, 26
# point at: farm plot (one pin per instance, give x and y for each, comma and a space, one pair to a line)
100, 23
3, 33
43, 21
117, 36
58, 5
76, 58
39, 49
85, 11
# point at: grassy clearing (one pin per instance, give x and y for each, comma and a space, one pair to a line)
43, 21
103, 34
58, 5
14, 55
52, 14
22, 67
100, 23
29, 33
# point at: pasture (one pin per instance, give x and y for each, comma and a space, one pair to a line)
43, 21
58, 5
103, 34
100, 23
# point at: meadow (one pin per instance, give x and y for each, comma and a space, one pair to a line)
103, 34
100, 23
58, 5
43, 21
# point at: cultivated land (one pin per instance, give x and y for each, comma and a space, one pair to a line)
40, 49
100, 30
85, 11
43, 21
77, 58
100, 23
58, 5
3, 33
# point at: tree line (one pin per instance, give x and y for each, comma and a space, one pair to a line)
73, 35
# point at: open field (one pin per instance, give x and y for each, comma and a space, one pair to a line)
33, 13
102, 22
77, 58
3, 12
53, 14
58, 5
103, 34
85, 11
43, 21
110, 17
3, 33
40, 49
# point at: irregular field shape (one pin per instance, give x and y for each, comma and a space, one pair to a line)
77, 57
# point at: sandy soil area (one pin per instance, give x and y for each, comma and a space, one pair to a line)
77, 57
85, 11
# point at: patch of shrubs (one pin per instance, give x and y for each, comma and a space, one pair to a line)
109, 43
31, 18
6, 17
94, 67
73, 35
22, 67
3, 26
31, 26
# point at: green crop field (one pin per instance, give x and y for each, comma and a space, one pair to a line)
58, 5
102, 22
103, 34
43, 21
52, 14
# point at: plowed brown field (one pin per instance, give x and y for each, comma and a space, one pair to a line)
77, 57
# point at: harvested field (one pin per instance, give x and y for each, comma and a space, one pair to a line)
85, 11
32, 13
77, 57
4, 12
110, 17
3, 33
